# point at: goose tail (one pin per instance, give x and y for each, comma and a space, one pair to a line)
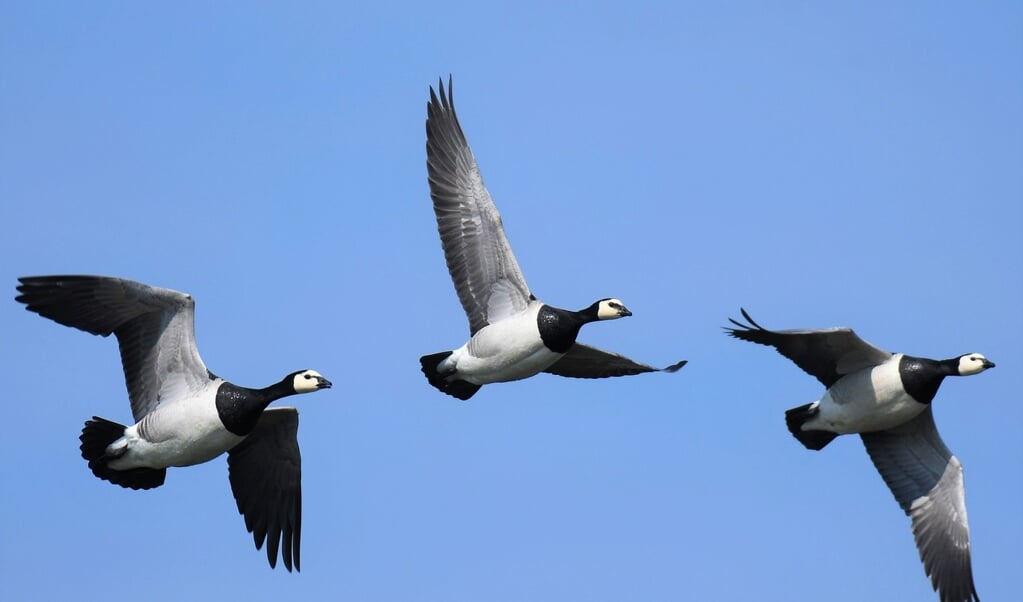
456, 388
97, 436
796, 417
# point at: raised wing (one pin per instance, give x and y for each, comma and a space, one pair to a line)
927, 481
154, 329
266, 477
583, 361
827, 355
488, 280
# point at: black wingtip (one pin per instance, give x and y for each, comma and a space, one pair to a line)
433, 99
440, 105
24, 287
446, 98
287, 543
293, 545
751, 324
746, 315
740, 330
675, 367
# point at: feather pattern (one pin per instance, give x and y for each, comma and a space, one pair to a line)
154, 329
487, 277
827, 354
265, 471
927, 481
584, 361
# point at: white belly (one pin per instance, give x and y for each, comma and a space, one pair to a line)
180, 434
508, 350
865, 401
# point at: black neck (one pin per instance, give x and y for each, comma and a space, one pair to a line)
239, 408
560, 327
921, 377
588, 314
950, 366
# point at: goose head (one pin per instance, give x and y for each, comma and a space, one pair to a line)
973, 363
611, 309
307, 381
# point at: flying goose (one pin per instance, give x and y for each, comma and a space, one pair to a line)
513, 335
184, 414
886, 398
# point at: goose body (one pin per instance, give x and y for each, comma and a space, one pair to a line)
185, 433
886, 398
871, 399
507, 350
513, 335
184, 414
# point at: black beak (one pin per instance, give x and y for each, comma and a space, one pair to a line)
624, 312
988, 364
322, 383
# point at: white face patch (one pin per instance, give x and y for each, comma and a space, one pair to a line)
973, 363
612, 309
307, 382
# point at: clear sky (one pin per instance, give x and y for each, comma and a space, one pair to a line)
850, 165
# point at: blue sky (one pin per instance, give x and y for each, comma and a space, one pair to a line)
855, 165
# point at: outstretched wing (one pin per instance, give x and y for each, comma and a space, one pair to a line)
927, 481
583, 361
827, 355
265, 470
488, 280
154, 329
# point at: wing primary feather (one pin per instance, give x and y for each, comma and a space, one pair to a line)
265, 474
479, 258
749, 319
154, 329
927, 482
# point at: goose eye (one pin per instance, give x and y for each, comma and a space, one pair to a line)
308, 377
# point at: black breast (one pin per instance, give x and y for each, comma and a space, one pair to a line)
558, 328
239, 408
921, 377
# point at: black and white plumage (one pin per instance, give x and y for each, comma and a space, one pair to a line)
184, 414
513, 335
886, 398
